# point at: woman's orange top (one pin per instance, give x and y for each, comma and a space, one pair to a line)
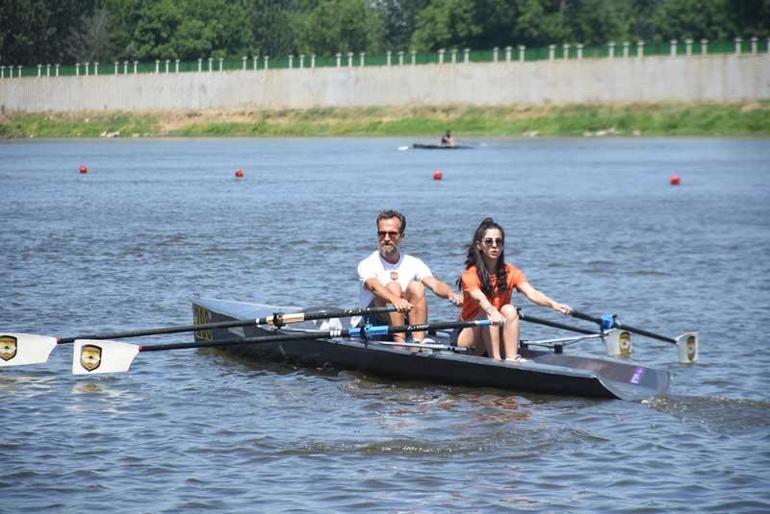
471, 281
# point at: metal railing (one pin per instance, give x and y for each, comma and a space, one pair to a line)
519, 53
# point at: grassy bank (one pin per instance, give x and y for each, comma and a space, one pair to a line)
735, 119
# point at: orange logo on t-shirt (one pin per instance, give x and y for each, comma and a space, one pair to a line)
394, 276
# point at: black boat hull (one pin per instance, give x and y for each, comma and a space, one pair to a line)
545, 372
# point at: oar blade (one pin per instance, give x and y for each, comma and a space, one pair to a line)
687, 347
92, 356
618, 343
17, 349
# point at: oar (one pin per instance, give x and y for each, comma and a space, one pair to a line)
17, 349
687, 343
617, 342
100, 356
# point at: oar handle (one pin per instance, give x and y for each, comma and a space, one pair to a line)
609, 321
278, 319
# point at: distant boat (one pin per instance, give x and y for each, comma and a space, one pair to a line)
418, 146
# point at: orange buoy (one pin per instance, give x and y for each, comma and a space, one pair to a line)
437, 175
239, 173
675, 180
83, 169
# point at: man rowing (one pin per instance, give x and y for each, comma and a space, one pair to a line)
388, 276
447, 139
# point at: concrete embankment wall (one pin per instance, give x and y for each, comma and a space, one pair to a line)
719, 78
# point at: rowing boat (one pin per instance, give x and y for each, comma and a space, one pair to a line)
419, 146
544, 371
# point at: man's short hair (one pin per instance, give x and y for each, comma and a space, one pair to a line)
390, 213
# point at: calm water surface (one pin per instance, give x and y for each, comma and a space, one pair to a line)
592, 222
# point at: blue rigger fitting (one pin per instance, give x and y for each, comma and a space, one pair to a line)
608, 321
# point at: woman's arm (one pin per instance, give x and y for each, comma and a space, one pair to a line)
492, 313
541, 298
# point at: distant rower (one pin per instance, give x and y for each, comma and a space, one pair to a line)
447, 139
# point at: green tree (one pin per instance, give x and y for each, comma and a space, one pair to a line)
274, 24
399, 18
37, 31
341, 26
679, 19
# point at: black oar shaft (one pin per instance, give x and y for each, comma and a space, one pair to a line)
621, 326
363, 332
646, 333
274, 319
554, 324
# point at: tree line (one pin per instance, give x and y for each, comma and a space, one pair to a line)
65, 31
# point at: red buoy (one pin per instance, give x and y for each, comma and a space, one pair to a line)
83, 169
239, 173
437, 175
675, 180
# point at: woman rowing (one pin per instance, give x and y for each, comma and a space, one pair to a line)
487, 284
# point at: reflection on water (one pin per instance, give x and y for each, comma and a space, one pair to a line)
593, 223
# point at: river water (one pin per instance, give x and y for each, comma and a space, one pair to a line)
593, 222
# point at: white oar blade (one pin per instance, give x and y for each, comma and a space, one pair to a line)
687, 347
18, 349
91, 356
618, 343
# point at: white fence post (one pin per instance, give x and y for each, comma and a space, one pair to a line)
508, 51
414, 57
388, 57
400, 57
441, 52
495, 52
565, 51
704, 44
738, 42
580, 51
673, 47
640, 48
551, 52
611, 46
522, 49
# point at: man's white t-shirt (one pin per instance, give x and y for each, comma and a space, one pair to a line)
407, 268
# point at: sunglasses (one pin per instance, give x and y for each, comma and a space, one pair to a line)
391, 233
488, 241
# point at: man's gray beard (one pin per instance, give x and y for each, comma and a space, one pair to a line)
391, 252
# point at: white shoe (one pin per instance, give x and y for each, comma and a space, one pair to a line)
427, 340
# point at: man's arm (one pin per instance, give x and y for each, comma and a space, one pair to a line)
385, 295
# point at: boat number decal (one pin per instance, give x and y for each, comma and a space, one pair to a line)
202, 316
8, 346
637, 376
90, 356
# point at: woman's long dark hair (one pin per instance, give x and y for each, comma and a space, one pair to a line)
475, 258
